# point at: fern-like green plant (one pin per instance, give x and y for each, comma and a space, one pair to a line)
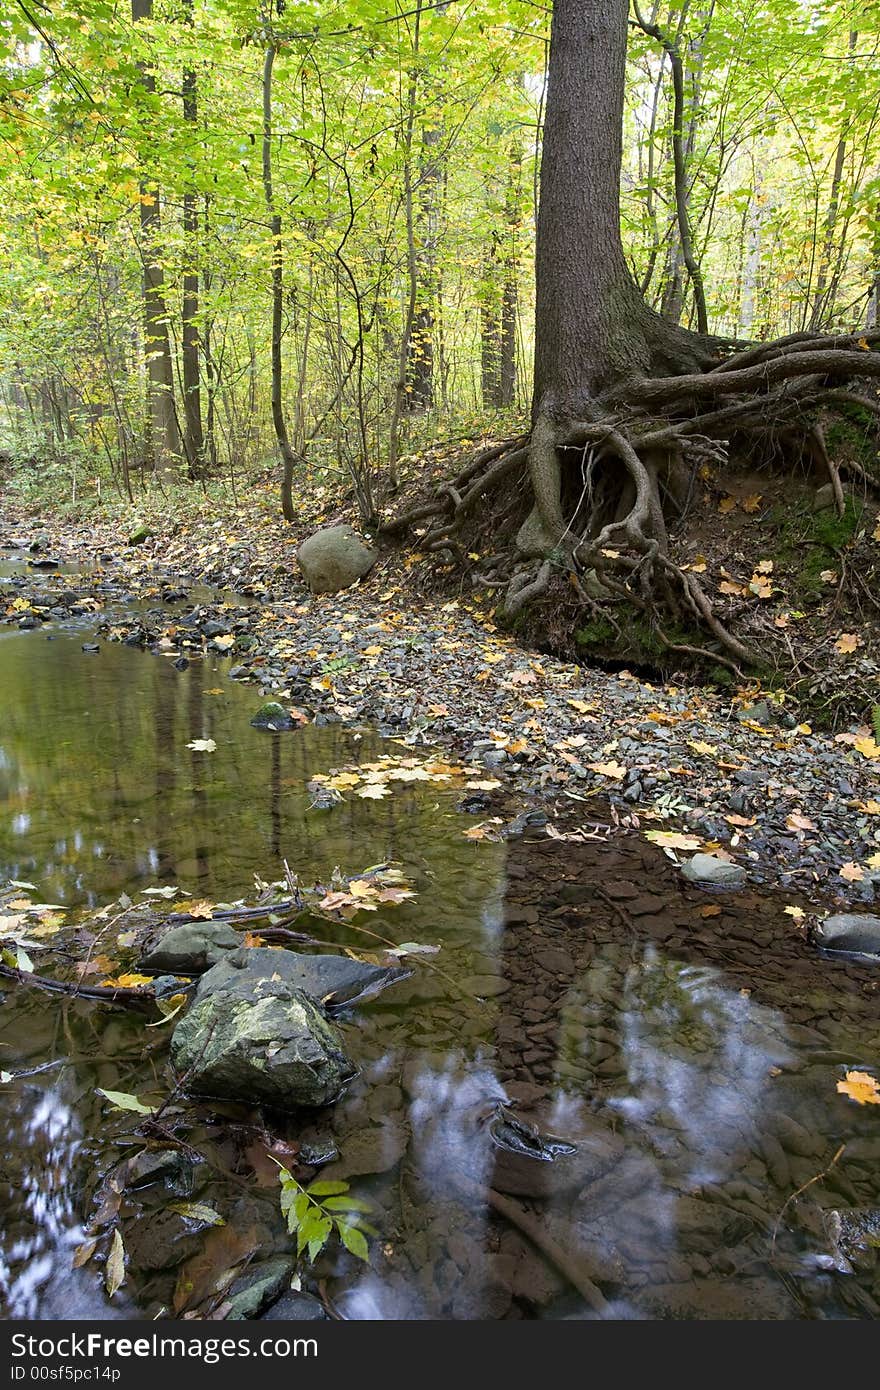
315, 1212
875, 720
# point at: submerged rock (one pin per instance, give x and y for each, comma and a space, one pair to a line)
191, 948
710, 871
332, 981
256, 1288
296, 1307
333, 558
850, 931
853, 1238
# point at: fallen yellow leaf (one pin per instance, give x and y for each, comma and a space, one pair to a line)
861, 1087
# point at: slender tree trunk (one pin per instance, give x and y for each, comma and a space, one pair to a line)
684, 113
288, 457
821, 296
165, 445
490, 328
420, 368
510, 289
194, 443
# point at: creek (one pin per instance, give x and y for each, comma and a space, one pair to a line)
692, 1058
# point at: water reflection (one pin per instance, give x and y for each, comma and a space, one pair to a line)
40, 1146
696, 1109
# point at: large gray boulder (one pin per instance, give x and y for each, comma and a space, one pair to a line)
255, 1038
333, 558
850, 931
257, 1030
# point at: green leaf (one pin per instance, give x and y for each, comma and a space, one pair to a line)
325, 1188
354, 1240
297, 1210
346, 1204
319, 1239
309, 1228
123, 1100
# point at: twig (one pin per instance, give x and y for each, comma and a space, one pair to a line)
809, 1183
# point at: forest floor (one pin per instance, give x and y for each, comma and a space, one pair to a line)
743, 772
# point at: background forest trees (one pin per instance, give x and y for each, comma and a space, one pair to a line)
138, 250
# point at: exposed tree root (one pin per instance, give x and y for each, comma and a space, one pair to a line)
590, 497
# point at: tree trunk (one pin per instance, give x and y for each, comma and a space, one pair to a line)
420, 368
592, 327
165, 444
510, 289
288, 458
194, 443
823, 289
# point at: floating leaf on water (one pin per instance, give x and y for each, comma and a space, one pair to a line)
198, 1211
861, 1087
128, 981
169, 1009
6, 1076
202, 745
114, 1275
414, 948
83, 1253
124, 1100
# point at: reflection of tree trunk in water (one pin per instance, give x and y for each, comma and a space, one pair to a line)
275, 818
195, 724
539, 974
167, 834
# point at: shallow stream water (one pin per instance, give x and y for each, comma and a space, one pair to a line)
692, 1058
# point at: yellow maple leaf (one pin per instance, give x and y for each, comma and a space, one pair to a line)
861, 1087
867, 746
852, 873
203, 910
616, 771
726, 505
752, 502
673, 839
700, 747
130, 981
847, 642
